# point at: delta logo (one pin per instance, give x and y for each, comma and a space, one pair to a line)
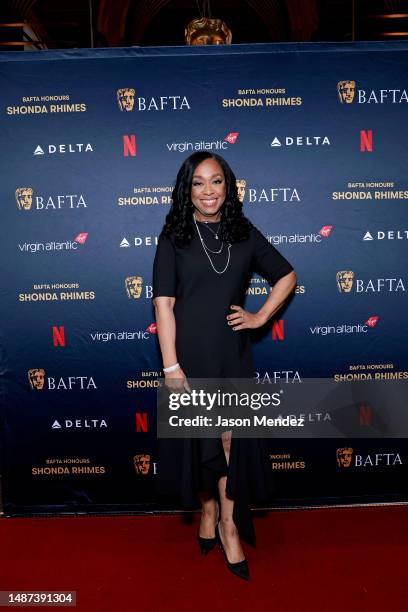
202, 145
52, 149
348, 93
300, 141
138, 241
386, 235
69, 424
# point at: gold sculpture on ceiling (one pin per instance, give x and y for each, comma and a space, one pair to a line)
206, 31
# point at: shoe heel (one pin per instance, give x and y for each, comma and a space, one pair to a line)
206, 544
240, 568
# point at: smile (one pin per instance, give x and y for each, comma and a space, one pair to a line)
209, 201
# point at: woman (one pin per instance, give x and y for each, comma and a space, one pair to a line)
206, 254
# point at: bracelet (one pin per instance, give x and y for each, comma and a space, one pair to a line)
171, 368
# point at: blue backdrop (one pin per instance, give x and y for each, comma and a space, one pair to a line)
91, 144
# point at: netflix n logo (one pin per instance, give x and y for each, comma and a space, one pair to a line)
365, 414
58, 335
129, 145
278, 330
141, 423
366, 141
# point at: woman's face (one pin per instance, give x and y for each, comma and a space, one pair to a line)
208, 189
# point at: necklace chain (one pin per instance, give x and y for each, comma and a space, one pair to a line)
206, 249
207, 225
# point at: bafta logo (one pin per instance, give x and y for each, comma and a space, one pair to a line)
142, 464
207, 31
126, 98
133, 285
36, 378
241, 184
24, 198
346, 91
345, 280
344, 457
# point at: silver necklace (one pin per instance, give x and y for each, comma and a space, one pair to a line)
202, 241
207, 225
206, 249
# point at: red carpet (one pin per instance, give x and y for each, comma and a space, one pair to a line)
348, 560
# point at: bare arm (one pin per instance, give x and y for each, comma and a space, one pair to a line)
166, 331
166, 328
275, 300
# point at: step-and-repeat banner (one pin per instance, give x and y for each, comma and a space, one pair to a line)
91, 141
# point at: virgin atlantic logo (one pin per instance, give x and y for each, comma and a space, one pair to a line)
231, 137
326, 230
81, 238
372, 321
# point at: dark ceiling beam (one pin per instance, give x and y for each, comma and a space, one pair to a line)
304, 18
112, 18
270, 12
144, 13
111, 21
25, 9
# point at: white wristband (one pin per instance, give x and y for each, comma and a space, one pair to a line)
171, 368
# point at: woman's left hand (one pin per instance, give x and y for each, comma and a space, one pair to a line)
242, 319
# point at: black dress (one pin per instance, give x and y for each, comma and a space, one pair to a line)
207, 347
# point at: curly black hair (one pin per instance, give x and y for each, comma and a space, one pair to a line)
234, 226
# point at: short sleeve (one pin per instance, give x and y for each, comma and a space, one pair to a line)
266, 260
164, 268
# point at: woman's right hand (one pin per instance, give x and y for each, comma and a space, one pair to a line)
176, 381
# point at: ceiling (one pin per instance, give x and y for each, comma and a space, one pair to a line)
64, 24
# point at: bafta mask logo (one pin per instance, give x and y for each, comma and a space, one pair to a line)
142, 464
133, 286
24, 198
36, 378
207, 31
126, 98
241, 184
346, 91
345, 281
344, 457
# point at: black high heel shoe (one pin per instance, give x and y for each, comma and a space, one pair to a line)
206, 544
240, 568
